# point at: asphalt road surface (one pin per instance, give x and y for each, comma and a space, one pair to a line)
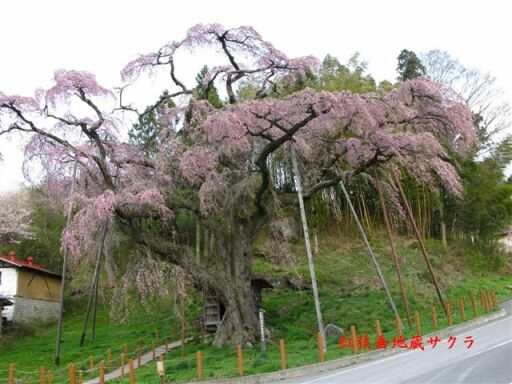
489, 360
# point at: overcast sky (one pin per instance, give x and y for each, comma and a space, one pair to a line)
38, 37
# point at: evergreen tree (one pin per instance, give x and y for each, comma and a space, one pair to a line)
409, 66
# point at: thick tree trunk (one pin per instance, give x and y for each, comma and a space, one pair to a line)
239, 324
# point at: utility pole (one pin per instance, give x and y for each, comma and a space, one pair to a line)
298, 186
370, 251
63, 278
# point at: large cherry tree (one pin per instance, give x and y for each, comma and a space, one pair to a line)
215, 163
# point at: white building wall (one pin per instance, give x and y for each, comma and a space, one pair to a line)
9, 281
9, 287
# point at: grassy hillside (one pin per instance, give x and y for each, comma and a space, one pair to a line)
350, 293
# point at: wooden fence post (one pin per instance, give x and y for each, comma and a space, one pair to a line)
72, 375
482, 300
473, 303
418, 324
139, 355
486, 302
398, 326
354, 337
434, 318
122, 364
12, 370
91, 362
80, 377
240, 360
449, 313
462, 311
199, 357
377, 328
102, 372
153, 350
282, 352
49, 377
162, 378
494, 301
166, 344
131, 371
109, 359
41, 374
320, 346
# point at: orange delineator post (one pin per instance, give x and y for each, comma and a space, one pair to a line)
282, 352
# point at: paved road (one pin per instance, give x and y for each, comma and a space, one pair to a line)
488, 361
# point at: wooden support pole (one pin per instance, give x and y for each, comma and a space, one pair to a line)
377, 328
434, 318
392, 246
307, 242
80, 377
72, 374
91, 361
153, 350
462, 311
320, 346
282, 352
41, 374
95, 281
370, 250
482, 300
102, 372
12, 372
240, 359
489, 299
199, 357
139, 355
125, 349
353, 337
473, 303
63, 273
418, 324
162, 378
131, 371
398, 326
418, 235
49, 377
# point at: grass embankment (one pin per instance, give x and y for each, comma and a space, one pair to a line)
350, 294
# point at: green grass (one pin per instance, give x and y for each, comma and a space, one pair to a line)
350, 294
